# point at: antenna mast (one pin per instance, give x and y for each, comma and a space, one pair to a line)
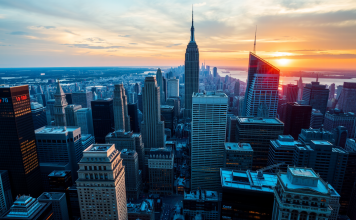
254, 45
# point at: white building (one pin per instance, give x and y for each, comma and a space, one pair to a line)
208, 130
101, 184
85, 121
173, 88
301, 194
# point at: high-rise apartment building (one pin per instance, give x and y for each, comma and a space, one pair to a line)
191, 65
262, 86
152, 128
5, 192
60, 144
336, 117
316, 95
297, 117
316, 119
71, 114
208, 130
304, 188
258, 132
160, 168
347, 99
101, 184
173, 88
59, 204
82, 98
38, 115
133, 174
85, 121
18, 142
122, 119
238, 156
103, 118
59, 106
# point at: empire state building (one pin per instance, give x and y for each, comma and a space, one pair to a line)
191, 72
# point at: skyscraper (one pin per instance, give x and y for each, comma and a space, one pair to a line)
82, 98
85, 120
59, 106
237, 88
215, 72
133, 176
122, 119
332, 91
191, 72
103, 118
152, 127
297, 118
133, 114
101, 183
173, 88
207, 139
316, 119
336, 117
347, 99
38, 115
71, 114
316, 95
262, 86
5, 192
159, 79
17, 141
292, 93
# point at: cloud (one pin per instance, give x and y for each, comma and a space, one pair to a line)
19, 33
95, 40
3, 45
71, 32
91, 47
199, 4
173, 45
2, 16
318, 56
133, 43
111, 50
124, 35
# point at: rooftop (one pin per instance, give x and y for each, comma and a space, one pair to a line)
56, 129
247, 180
59, 173
210, 94
238, 146
202, 195
98, 148
256, 120
51, 196
303, 172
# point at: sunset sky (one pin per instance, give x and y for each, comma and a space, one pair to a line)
305, 34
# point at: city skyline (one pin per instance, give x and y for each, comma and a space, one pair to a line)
289, 34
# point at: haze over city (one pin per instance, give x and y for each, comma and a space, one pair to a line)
297, 34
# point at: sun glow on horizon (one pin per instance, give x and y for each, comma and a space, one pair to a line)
283, 61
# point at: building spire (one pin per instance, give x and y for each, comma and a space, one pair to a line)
254, 45
192, 39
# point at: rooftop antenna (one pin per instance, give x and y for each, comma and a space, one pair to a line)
254, 45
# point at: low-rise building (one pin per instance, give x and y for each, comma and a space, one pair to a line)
238, 156
59, 204
201, 202
143, 211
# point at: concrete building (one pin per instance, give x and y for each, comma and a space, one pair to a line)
28, 208
175, 102
133, 175
82, 98
262, 87
327, 160
38, 115
48, 168
173, 88
237, 88
50, 111
238, 156
87, 140
282, 150
316, 119
307, 135
59, 106
208, 129
334, 203
340, 135
301, 193
60, 144
258, 132
201, 202
347, 99
167, 115
152, 128
85, 121
5, 192
160, 168
247, 194
59, 204
122, 119
336, 117
144, 210
101, 184
71, 114
134, 120
316, 95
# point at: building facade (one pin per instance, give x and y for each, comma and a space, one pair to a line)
71, 114
133, 175
316, 95
238, 156
316, 119
59, 204
85, 121
208, 129
101, 184
122, 119
347, 99
103, 118
173, 88
202, 203
297, 117
5, 192
59, 106
38, 115
336, 117
82, 98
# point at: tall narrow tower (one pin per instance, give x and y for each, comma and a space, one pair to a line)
152, 127
121, 117
160, 84
59, 105
191, 72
